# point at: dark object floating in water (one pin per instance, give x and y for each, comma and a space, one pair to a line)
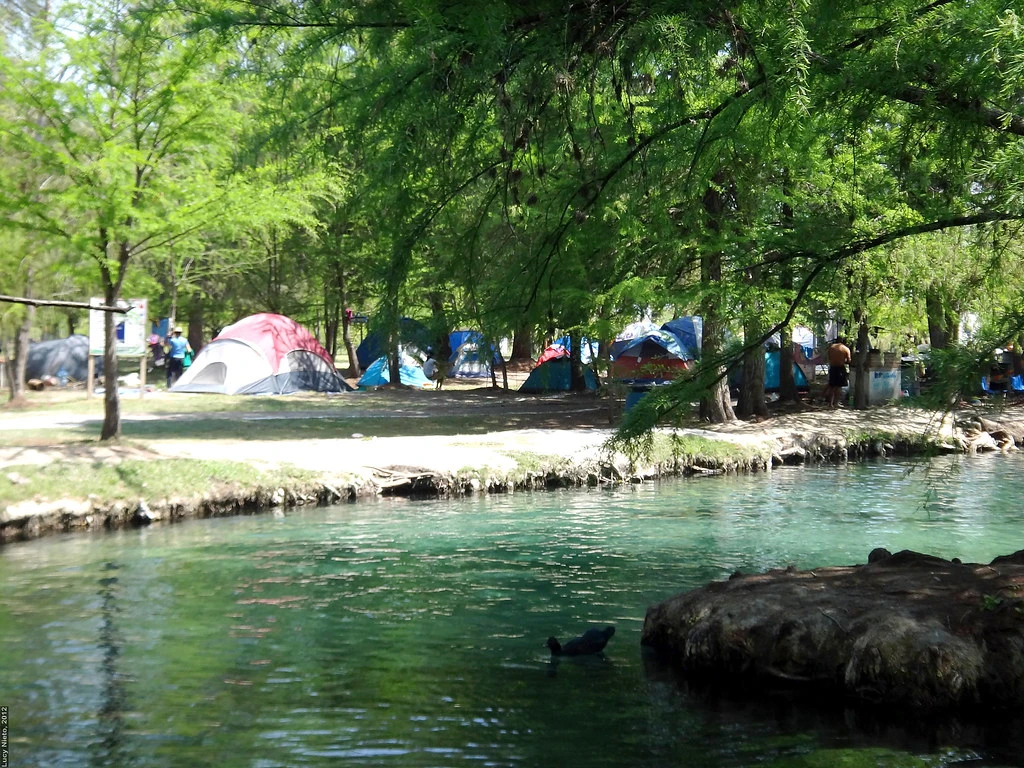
592, 641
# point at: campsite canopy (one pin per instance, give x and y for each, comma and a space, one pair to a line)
262, 354
48, 358
410, 373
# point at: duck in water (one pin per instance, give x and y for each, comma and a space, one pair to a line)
590, 642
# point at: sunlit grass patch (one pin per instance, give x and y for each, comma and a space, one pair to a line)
106, 482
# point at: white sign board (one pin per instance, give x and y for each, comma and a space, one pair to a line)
131, 328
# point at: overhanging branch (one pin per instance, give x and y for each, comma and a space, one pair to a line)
55, 303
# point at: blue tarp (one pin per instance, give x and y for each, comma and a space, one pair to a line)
688, 330
772, 360
378, 374
1016, 385
555, 376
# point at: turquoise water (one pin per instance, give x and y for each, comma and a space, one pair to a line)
410, 633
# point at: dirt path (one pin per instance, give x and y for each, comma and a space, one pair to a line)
573, 428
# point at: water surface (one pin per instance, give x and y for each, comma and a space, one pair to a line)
410, 633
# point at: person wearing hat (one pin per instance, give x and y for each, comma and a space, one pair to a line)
177, 348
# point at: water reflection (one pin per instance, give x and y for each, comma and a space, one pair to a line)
108, 747
805, 723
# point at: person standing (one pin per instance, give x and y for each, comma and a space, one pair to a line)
177, 347
838, 355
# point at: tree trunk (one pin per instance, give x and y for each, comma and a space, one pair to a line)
346, 324
577, 381
17, 367
196, 320
111, 402
943, 320
787, 381
716, 405
332, 322
862, 380
401, 257
522, 344
751, 399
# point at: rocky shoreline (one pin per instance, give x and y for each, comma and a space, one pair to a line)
351, 469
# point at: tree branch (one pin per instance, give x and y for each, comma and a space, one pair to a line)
55, 303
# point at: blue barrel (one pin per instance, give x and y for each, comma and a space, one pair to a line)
634, 396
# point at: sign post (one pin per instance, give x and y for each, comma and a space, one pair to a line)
131, 336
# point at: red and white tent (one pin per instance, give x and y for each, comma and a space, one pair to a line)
262, 355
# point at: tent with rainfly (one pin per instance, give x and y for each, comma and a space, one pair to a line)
656, 356
262, 354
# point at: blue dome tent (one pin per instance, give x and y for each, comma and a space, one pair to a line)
688, 330
378, 374
410, 331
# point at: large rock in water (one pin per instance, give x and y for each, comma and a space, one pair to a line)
905, 629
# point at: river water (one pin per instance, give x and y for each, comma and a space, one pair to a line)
410, 633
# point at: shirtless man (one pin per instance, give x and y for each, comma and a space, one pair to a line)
839, 357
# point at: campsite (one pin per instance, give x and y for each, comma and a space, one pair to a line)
350, 349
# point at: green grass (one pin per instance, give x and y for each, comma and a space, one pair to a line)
134, 479
667, 447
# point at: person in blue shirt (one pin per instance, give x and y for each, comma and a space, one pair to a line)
177, 347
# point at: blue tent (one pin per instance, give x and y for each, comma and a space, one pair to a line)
772, 364
588, 348
655, 357
378, 374
457, 338
688, 330
373, 346
555, 375
469, 362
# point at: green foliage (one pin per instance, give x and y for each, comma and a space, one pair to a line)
558, 168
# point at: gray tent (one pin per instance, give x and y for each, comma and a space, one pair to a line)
48, 358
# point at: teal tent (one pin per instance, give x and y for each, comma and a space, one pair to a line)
555, 375
772, 364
